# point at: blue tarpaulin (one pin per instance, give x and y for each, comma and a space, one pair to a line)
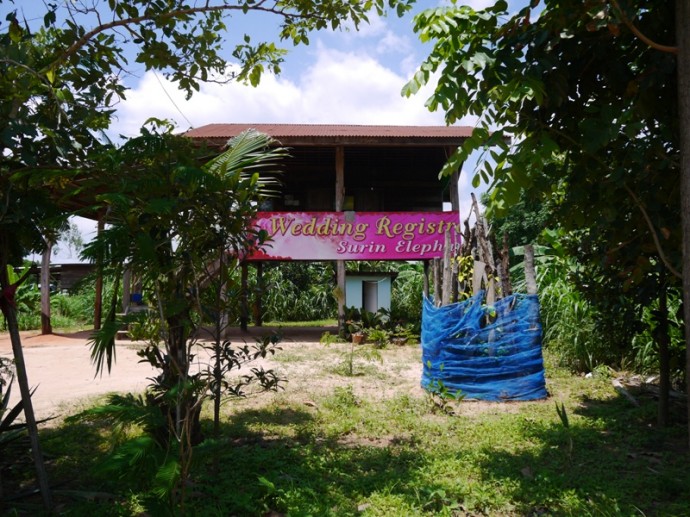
487, 352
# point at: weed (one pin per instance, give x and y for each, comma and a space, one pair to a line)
565, 422
328, 339
439, 396
441, 399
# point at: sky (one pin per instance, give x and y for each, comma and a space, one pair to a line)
343, 77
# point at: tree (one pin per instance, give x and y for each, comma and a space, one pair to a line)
26, 215
590, 95
170, 218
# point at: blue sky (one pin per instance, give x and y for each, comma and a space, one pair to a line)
343, 77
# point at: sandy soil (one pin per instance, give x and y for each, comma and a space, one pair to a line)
59, 366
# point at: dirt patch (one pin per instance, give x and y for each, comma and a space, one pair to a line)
60, 367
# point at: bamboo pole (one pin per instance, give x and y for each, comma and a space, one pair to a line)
447, 271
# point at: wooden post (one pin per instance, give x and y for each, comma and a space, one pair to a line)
530, 276
447, 271
437, 282
244, 296
483, 245
426, 279
98, 295
479, 277
339, 202
46, 327
258, 317
455, 206
454, 281
504, 269
126, 288
454, 194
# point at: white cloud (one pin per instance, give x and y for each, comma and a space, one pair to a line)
380, 35
338, 87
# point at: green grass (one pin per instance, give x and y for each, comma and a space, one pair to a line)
341, 446
311, 323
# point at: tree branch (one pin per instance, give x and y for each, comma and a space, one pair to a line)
637, 201
72, 49
657, 243
626, 21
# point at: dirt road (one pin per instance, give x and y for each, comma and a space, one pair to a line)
59, 367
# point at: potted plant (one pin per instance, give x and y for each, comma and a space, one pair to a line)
358, 337
356, 331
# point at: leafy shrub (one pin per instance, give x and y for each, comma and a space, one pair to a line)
298, 292
406, 296
644, 345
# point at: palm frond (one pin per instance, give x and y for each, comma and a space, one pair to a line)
138, 457
167, 477
102, 341
102, 345
248, 151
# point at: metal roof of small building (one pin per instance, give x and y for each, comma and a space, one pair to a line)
338, 134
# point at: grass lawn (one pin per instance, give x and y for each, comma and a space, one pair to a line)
374, 444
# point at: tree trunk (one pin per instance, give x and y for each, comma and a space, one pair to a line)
530, 276
221, 312
46, 327
10, 314
683, 67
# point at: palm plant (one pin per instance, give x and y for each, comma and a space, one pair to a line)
170, 218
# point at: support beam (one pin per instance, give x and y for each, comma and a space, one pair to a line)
98, 296
244, 296
126, 288
339, 203
258, 309
46, 327
454, 194
426, 279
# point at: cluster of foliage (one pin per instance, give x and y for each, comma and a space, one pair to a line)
581, 333
376, 327
182, 226
299, 292
367, 333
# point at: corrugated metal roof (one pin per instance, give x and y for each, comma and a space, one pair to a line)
338, 133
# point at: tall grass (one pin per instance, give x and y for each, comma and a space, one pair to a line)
569, 321
68, 310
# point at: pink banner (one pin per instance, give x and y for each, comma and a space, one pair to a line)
357, 235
